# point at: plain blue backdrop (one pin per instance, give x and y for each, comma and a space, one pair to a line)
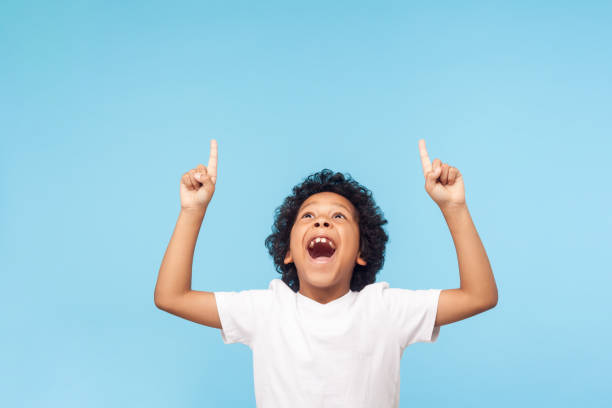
105, 104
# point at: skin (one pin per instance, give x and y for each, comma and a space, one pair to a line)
478, 291
444, 184
335, 216
326, 282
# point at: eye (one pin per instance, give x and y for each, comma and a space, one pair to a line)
306, 215
340, 214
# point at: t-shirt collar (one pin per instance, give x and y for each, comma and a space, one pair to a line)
333, 304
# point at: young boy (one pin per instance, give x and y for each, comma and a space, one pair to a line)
326, 334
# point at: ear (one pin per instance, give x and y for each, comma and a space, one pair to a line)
360, 260
288, 258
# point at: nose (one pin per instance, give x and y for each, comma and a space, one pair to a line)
318, 224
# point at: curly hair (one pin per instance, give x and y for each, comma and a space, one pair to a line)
372, 237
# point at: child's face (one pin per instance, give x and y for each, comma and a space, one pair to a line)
331, 215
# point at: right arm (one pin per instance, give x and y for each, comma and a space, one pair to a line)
173, 292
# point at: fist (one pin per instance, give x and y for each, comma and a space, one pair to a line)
198, 184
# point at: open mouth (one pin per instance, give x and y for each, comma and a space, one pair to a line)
321, 249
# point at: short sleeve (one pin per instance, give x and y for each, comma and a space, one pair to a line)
241, 314
413, 313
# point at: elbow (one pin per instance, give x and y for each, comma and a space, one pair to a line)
158, 304
158, 301
484, 303
491, 303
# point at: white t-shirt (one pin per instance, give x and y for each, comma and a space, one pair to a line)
345, 353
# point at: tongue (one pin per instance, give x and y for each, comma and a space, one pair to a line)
319, 252
319, 256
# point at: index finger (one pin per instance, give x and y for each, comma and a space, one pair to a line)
211, 169
424, 157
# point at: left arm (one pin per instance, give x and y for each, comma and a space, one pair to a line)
477, 291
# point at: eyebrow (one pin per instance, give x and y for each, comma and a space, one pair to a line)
336, 204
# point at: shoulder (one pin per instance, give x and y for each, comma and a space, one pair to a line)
248, 297
390, 296
280, 292
372, 292
374, 288
277, 290
277, 285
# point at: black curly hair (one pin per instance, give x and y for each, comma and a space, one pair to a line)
372, 237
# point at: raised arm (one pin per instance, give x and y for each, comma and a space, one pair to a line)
478, 291
173, 289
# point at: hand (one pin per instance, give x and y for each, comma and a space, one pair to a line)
198, 185
443, 183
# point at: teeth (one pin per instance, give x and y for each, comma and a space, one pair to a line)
323, 240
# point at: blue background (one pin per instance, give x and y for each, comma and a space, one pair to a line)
104, 105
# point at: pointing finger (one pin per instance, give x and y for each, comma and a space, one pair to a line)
424, 157
212, 161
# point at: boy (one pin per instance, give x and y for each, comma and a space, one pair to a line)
327, 334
